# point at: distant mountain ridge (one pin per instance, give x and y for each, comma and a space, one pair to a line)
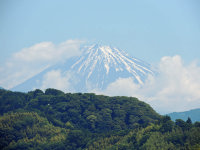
194, 114
96, 68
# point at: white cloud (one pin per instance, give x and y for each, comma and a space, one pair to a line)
49, 52
179, 85
55, 79
175, 88
121, 87
32, 60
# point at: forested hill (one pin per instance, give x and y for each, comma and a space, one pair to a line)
57, 120
95, 113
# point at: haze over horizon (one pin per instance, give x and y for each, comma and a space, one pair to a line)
36, 34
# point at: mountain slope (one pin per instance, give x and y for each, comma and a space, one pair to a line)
96, 68
194, 114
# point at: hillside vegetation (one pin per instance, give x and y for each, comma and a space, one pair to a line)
57, 120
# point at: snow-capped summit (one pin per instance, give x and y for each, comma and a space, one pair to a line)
108, 58
97, 67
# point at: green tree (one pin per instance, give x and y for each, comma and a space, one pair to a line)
92, 120
189, 121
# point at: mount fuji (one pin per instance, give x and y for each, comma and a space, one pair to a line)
96, 68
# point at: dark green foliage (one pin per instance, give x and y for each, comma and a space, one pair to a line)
76, 139
10, 101
167, 124
26, 130
197, 124
57, 120
53, 92
189, 121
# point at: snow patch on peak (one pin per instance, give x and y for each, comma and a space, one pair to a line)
98, 58
107, 68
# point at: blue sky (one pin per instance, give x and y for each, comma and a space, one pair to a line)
147, 29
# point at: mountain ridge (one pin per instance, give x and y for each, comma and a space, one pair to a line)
194, 114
